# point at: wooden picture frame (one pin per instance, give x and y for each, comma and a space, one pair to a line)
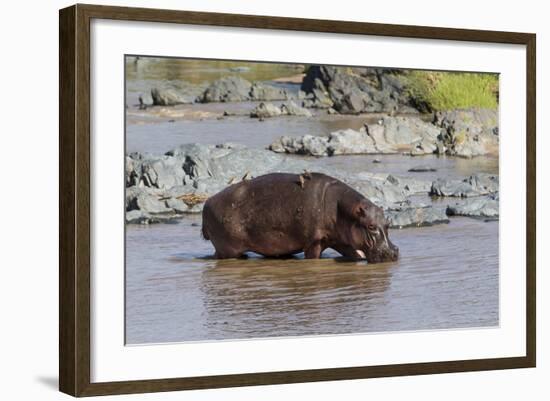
74, 200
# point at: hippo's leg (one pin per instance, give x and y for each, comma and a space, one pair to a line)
228, 253
313, 251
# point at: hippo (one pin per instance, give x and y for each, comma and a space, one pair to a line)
280, 215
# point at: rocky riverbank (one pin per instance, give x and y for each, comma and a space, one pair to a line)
407, 124
464, 133
340, 90
355, 90
161, 188
352, 90
227, 89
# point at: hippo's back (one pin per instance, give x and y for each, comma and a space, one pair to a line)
272, 203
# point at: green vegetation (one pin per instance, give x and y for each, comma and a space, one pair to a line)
454, 90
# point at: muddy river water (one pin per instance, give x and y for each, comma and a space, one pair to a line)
447, 276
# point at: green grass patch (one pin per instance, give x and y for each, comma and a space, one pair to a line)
454, 90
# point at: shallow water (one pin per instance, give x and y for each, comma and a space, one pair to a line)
149, 72
147, 69
200, 123
447, 277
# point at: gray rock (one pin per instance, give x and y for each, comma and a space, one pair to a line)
131, 174
357, 90
210, 186
457, 188
162, 185
252, 162
237, 89
204, 161
349, 142
162, 172
263, 92
392, 135
468, 133
284, 144
317, 96
342, 142
484, 183
227, 89
292, 109
321, 100
411, 185
475, 185
416, 217
421, 169
197, 149
144, 200
172, 96
404, 134
266, 110
381, 146
475, 207
196, 158
379, 191
177, 168
137, 217
351, 102
132, 193
314, 145
179, 206
305, 145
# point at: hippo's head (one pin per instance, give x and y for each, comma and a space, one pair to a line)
368, 234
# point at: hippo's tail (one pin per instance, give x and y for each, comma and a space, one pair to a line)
204, 232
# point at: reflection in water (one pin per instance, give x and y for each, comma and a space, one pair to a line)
447, 277
289, 297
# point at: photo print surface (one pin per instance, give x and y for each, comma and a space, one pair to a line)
282, 200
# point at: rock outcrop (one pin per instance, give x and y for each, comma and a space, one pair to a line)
475, 185
468, 133
237, 89
265, 110
354, 90
178, 182
459, 133
416, 217
390, 135
486, 207
174, 94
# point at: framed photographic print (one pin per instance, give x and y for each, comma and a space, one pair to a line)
250, 200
